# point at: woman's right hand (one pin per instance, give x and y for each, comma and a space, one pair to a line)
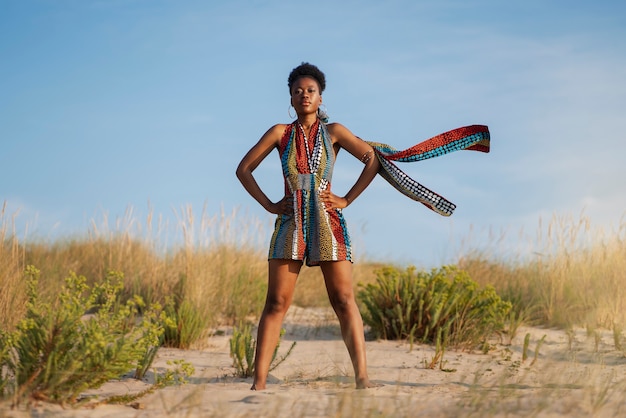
283, 207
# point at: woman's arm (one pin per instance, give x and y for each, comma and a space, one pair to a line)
268, 142
361, 150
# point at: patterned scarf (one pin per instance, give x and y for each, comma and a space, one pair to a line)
473, 138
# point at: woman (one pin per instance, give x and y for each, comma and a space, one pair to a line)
309, 227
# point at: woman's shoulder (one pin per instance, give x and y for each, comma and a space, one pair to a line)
336, 129
275, 134
277, 130
336, 126
279, 127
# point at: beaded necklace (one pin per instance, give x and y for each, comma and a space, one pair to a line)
314, 155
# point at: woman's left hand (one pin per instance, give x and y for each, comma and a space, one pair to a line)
332, 201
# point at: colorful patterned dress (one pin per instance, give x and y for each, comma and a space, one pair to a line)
312, 233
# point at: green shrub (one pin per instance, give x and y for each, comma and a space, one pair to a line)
185, 324
57, 352
422, 305
243, 347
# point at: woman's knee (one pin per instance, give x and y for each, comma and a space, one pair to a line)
276, 305
342, 302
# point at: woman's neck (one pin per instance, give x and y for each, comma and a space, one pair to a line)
306, 121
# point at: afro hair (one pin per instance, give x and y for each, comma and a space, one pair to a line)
307, 70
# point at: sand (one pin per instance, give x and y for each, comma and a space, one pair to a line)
575, 374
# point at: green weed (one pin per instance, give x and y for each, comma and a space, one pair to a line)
525, 347
537, 348
56, 352
185, 322
243, 347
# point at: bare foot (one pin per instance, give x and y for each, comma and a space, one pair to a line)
257, 387
366, 384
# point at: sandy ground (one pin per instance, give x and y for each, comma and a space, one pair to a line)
573, 375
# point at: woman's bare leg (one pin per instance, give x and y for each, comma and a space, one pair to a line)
281, 285
338, 279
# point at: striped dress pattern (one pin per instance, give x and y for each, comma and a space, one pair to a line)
311, 233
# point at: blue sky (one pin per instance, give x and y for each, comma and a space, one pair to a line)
150, 105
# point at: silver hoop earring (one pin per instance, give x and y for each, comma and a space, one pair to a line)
289, 111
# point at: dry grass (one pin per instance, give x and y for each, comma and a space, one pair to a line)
12, 264
213, 263
574, 276
216, 262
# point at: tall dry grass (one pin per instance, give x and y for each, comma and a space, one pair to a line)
12, 264
574, 276
210, 261
217, 262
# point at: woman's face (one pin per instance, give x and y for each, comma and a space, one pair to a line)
305, 95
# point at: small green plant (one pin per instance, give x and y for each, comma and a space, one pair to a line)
57, 351
617, 336
525, 348
157, 320
177, 373
517, 316
440, 348
571, 338
537, 348
418, 305
597, 339
594, 333
184, 324
243, 347
184, 321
